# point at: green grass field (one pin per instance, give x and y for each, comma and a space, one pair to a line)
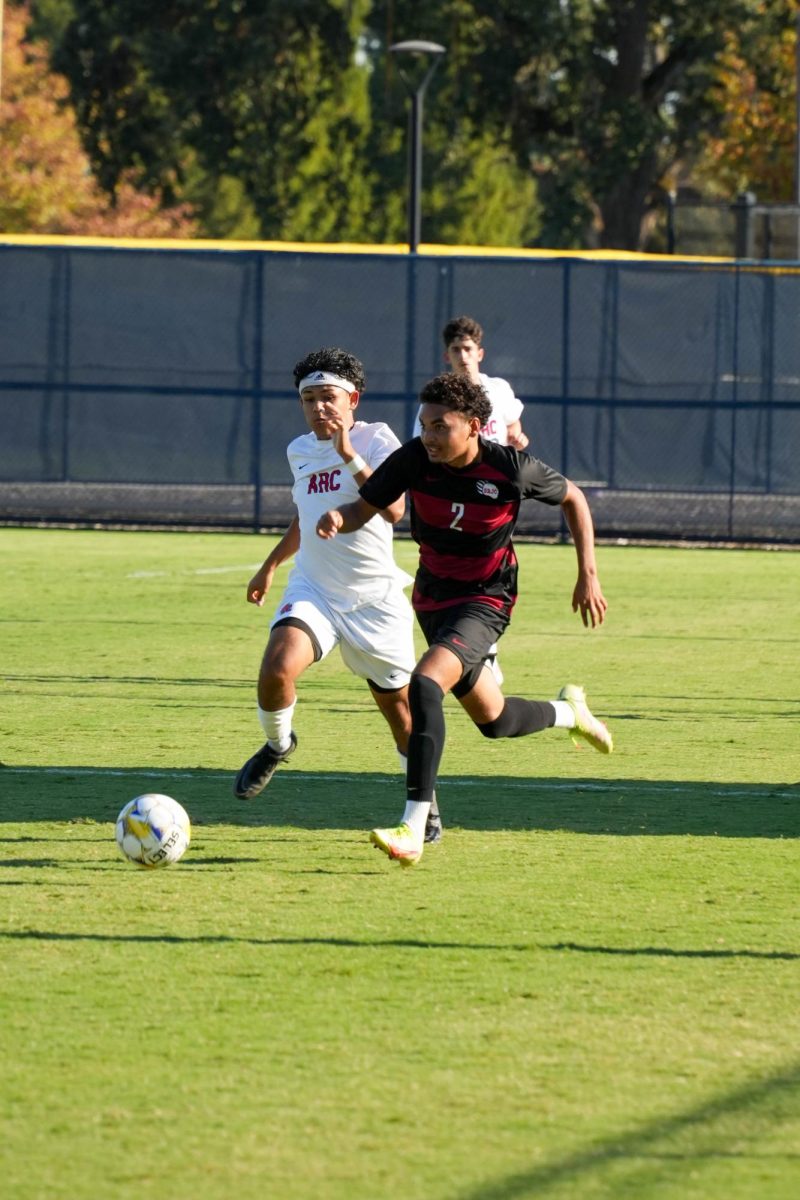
590, 989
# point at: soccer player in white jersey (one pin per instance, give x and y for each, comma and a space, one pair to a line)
463, 351
348, 592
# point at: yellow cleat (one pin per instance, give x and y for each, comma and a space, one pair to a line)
399, 843
587, 726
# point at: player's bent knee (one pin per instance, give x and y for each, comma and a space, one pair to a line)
425, 699
493, 729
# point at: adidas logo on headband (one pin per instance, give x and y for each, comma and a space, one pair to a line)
319, 378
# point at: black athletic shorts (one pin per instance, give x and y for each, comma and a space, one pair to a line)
469, 631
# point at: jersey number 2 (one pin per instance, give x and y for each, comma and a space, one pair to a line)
458, 511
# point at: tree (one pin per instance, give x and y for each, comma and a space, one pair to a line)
46, 185
275, 105
599, 98
475, 191
754, 91
557, 123
258, 91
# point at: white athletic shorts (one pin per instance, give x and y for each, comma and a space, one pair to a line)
376, 642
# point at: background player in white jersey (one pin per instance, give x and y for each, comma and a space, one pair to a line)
352, 597
463, 351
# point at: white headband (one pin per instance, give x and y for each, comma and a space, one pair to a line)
320, 378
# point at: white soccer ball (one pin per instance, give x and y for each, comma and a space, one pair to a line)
153, 830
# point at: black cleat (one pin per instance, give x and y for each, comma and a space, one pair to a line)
258, 770
433, 825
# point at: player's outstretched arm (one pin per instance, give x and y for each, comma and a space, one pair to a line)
346, 519
261, 582
588, 596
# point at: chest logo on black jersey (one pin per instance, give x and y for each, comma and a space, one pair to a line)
488, 489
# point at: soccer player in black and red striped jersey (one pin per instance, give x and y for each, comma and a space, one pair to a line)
465, 495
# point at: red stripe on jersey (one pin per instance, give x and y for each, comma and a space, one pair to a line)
454, 566
469, 516
422, 603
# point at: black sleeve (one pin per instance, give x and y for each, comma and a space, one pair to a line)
538, 481
394, 476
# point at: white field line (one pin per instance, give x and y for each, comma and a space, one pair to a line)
576, 785
196, 571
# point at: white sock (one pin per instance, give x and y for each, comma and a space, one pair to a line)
277, 726
565, 714
416, 815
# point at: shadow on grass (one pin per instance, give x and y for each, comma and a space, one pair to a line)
334, 800
370, 943
671, 952
641, 1158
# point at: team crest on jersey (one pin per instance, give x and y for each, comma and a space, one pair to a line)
286, 608
488, 489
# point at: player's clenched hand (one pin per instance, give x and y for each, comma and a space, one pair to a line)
329, 524
258, 586
340, 435
336, 428
588, 599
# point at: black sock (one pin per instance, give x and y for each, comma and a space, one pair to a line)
426, 744
520, 717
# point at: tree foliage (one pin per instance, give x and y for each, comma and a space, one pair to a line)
46, 185
555, 123
599, 98
755, 97
255, 90
282, 103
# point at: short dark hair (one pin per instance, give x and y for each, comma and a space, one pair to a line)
459, 394
461, 327
335, 360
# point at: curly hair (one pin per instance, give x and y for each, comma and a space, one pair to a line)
335, 360
462, 327
459, 394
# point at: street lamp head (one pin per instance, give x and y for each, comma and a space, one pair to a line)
417, 47
425, 57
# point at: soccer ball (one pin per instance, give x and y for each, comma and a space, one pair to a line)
153, 830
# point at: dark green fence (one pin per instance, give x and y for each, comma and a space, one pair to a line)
153, 386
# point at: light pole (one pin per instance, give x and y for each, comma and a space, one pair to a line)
425, 59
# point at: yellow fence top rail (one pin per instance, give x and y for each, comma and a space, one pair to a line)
425, 250
37, 239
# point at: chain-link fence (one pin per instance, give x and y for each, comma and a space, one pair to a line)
153, 386
741, 229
